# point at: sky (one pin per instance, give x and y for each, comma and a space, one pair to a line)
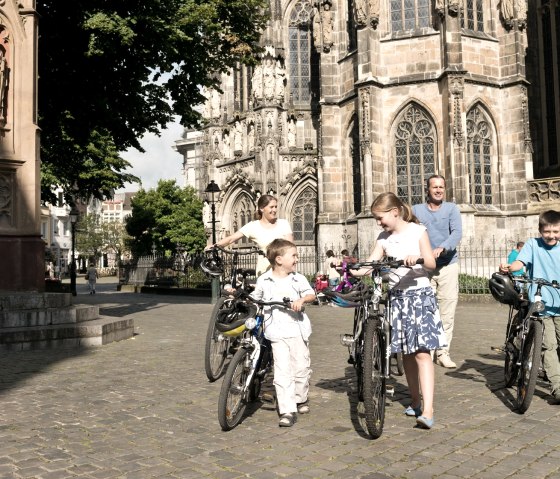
160, 161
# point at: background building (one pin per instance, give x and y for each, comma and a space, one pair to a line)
355, 97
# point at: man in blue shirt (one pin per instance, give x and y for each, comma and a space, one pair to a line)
442, 219
513, 256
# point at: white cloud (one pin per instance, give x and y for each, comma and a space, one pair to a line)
159, 162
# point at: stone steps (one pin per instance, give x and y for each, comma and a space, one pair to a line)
49, 320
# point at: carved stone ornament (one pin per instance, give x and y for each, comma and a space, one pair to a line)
454, 7
544, 191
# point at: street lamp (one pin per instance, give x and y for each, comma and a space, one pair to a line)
74, 214
211, 190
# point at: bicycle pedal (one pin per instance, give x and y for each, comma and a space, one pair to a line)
347, 339
390, 390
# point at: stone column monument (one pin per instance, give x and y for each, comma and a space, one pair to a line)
21, 247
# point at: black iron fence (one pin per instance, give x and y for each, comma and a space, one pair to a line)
476, 264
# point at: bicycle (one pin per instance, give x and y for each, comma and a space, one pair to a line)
370, 343
524, 333
218, 344
249, 366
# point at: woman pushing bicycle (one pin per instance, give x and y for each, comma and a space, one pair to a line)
266, 228
416, 328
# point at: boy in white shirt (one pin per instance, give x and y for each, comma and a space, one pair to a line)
288, 330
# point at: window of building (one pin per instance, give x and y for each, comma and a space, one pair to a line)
351, 26
472, 17
303, 216
414, 152
242, 214
409, 14
299, 33
479, 146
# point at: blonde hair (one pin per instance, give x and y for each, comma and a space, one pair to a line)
387, 201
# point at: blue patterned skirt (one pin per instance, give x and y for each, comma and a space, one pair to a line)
415, 322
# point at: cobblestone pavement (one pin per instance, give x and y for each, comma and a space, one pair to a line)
143, 408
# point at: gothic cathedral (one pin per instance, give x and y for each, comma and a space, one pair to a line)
352, 98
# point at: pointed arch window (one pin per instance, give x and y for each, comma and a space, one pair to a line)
241, 215
479, 159
303, 216
409, 14
299, 32
414, 152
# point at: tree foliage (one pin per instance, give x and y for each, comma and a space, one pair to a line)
89, 237
109, 72
164, 218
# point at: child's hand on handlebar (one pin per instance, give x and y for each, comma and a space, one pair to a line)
298, 305
504, 268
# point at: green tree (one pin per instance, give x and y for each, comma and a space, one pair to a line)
115, 238
166, 217
109, 72
89, 237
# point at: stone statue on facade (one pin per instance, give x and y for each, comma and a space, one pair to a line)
291, 132
361, 13
280, 81
227, 149
521, 13
374, 8
238, 136
327, 22
216, 103
251, 136
454, 6
269, 79
317, 29
257, 83
440, 7
506, 9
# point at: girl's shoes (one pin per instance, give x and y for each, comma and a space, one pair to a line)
413, 411
424, 422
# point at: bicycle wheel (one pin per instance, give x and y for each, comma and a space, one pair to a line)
234, 394
357, 350
217, 345
530, 363
511, 368
373, 378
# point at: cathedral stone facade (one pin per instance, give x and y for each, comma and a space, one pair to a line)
352, 98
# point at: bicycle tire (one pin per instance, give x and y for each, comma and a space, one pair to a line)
530, 364
511, 368
373, 378
358, 353
217, 345
234, 393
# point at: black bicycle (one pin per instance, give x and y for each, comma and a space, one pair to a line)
370, 343
219, 344
524, 333
249, 366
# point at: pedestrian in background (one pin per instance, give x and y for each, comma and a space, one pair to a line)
513, 256
442, 219
91, 276
329, 268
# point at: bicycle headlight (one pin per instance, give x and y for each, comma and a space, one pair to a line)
539, 306
250, 323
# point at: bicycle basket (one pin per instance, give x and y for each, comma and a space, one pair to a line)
504, 290
231, 321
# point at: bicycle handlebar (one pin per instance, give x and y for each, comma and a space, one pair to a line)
252, 250
286, 302
386, 263
538, 281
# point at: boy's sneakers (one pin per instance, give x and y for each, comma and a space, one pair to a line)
288, 420
303, 408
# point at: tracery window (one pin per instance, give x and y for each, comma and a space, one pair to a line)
414, 150
303, 216
472, 15
299, 33
242, 214
479, 162
409, 14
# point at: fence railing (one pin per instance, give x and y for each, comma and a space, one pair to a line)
477, 262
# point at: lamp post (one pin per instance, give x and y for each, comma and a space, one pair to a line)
211, 190
74, 214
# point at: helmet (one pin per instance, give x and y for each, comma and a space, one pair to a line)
212, 265
348, 299
503, 289
231, 320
